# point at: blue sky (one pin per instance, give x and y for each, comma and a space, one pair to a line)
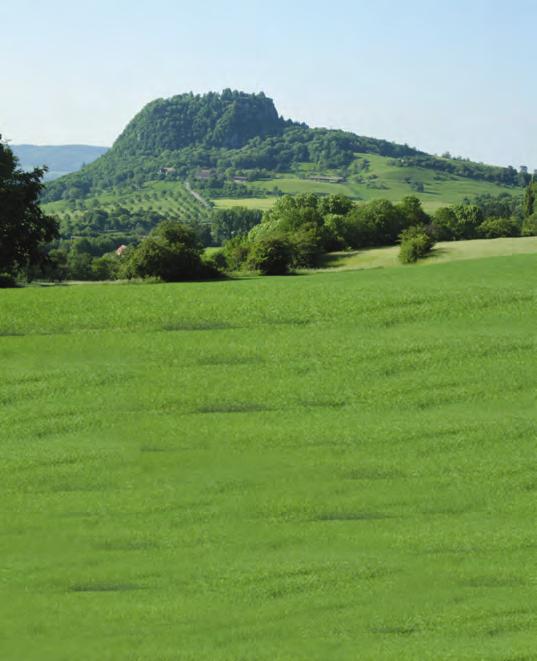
452, 75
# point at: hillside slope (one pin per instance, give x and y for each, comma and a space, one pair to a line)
236, 144
379, 177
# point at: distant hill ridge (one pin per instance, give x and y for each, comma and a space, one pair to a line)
232, 133
59, 159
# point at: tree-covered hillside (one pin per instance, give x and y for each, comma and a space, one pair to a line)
220, 134
221, 141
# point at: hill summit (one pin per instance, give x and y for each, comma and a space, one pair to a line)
227, 120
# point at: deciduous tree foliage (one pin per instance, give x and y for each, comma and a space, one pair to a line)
530, 199
172, 252
416, 243
237, 221
23, 226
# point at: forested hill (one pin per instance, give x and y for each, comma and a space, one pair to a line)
222, 137
227, 120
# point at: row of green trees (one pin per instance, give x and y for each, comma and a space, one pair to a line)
301, 229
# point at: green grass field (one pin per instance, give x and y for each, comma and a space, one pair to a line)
328, 466
447, 251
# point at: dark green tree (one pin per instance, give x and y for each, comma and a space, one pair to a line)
237, 221
172, 252
24, 228
412, 212
271, 256
377, 223
530, 199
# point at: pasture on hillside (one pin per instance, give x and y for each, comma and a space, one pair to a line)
172, 200
328, 466
382, 179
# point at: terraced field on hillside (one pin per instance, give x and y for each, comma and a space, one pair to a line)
170, 199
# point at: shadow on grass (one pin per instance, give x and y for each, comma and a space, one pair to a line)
105, 587
233, 408
437, 252
352, 516
332, 259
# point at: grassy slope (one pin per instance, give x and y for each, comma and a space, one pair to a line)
171, 198
443, 252
326, 466
448, 190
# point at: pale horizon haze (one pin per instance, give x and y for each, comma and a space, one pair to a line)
454, 76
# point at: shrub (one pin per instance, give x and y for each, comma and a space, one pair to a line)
415, 244
307, 245
217, 258
494, 228
212, 266
106, 267
412, 212
171, 252
457, 222
469, 217
237, 221
444, 224
7, 281
271, 256
336, 231
529, 228
377, 223
235, 252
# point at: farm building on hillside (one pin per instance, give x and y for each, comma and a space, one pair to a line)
205, 173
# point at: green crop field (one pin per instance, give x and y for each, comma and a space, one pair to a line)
262, 203
327, 466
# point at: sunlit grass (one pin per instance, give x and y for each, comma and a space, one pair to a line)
329, 466
447, 251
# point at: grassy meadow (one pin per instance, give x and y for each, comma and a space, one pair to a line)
444, 251
382, 179
328, 466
